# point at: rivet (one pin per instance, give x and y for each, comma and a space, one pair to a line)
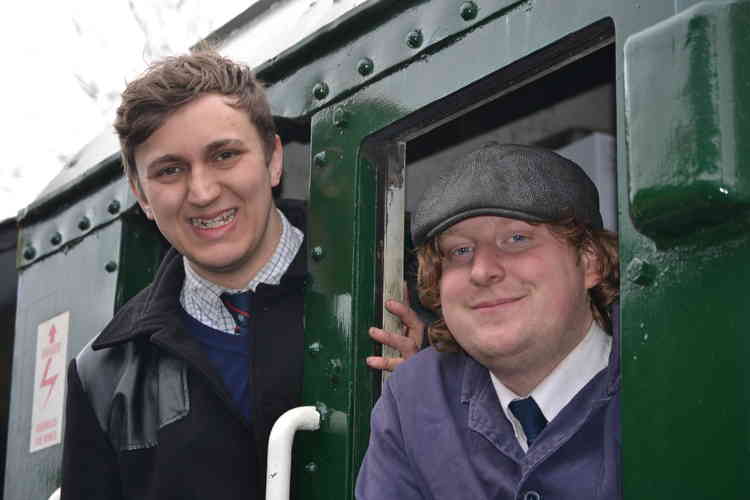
56, 239
641, 272
311, 467
111, 266
84, 223
320, 159
29, 252
414, 39
336, 365
113, 207
318, 253
365, 66
314, 348
340, 117
323, 411
468, 11
320, 90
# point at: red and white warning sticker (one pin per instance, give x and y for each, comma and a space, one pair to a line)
49, 382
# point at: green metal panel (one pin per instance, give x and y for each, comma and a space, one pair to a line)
684, 300
686, 82
339, 305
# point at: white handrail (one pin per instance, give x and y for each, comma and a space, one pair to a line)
280, 441
55, 495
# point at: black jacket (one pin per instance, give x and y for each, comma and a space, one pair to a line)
147, 416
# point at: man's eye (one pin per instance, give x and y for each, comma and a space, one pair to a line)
515, 242
226, 155
168, 171
461, 252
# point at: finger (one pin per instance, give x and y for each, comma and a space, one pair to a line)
382, 363
415, 327
406, 314
405, 345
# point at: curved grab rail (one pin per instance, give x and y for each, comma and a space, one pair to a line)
280, 441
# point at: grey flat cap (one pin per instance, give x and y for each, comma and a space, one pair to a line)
518, 182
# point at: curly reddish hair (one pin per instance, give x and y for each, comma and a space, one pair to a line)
600, 242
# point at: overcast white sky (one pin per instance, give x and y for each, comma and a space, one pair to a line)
68, 62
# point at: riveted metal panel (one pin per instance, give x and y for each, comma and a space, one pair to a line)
339, 304
387, 34
685, 85
72, 222
685, 248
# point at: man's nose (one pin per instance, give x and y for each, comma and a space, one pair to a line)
487, 266
203, 187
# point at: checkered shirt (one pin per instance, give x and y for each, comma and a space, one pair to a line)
201, 299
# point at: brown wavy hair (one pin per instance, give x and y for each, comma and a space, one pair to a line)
602, 243
173, 82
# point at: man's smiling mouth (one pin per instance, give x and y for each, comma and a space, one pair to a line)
218, 221
489, 304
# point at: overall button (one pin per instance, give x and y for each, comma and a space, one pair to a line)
532, 495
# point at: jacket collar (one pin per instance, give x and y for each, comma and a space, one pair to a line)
485, 415
153, 309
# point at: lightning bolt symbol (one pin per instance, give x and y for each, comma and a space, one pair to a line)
48, 381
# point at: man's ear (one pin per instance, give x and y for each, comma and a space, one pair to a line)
592, 267
276, 165
135, 187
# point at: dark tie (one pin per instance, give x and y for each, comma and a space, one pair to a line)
528, 413
238, 305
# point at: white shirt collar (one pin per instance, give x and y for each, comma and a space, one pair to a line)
201, 298
588, 358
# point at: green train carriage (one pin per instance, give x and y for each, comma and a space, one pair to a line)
376, 98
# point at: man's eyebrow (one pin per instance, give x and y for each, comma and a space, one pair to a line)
448, 232
214, 146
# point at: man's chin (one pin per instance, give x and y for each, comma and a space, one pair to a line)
210, 268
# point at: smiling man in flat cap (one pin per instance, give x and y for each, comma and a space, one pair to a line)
519, 398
